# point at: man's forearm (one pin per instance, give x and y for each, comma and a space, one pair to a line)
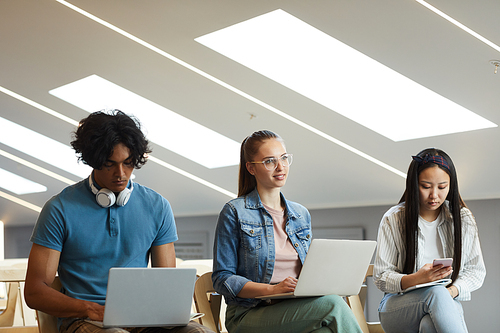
57, 304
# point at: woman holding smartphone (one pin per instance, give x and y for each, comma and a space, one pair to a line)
430, 222
261, 241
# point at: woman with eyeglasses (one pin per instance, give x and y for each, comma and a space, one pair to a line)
261, 241
430, 222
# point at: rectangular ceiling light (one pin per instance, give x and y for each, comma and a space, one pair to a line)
312, 63
41, 147
162, 126
19, 185
231, 88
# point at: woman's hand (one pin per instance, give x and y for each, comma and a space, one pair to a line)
427, 273
453, 291
254, 289
285, 286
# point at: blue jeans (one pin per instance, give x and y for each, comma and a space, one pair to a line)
430, 309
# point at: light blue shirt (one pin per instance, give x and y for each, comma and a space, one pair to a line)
244, 248
92, 239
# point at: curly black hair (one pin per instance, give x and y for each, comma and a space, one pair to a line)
98, 134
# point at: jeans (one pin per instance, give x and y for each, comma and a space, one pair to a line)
298, 315
426, 310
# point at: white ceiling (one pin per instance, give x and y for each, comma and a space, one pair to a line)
44, 45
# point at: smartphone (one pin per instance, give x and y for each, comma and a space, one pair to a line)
446, 262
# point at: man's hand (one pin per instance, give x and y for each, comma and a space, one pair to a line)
95, 311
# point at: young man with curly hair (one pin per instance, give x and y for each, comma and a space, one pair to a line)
100, 222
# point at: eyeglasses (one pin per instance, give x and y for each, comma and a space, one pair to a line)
272, 162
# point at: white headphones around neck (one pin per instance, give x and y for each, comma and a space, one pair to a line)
106, 198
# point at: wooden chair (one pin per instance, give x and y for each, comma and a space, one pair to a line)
46, 322
13, 274
357, 304
7, 316
207, 301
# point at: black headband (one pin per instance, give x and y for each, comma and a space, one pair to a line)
436, 159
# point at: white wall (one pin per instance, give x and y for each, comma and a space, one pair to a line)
482, 312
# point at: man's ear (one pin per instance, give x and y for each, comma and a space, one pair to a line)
250, 168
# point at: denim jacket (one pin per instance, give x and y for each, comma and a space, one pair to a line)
244, 248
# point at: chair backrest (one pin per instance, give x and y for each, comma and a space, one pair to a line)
357, 304
16, 316
46, 322
207, 301
7, 316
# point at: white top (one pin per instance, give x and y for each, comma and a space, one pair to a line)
433, 245
389, 260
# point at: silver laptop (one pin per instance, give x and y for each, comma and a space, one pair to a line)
147, 297
332, 267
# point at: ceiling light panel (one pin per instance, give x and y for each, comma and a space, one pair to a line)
312, 63
234, 89
162, 126
19, 185
41, 147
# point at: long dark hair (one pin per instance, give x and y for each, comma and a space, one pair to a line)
98, 134
249, 148
411, 199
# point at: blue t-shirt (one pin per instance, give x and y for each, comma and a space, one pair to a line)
92, 239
